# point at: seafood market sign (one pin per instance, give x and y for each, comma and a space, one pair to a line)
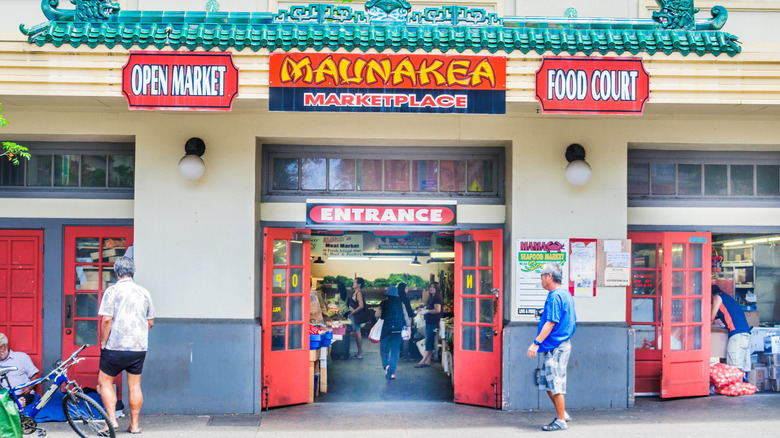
348, 82
180, 81
532, 254
577, 85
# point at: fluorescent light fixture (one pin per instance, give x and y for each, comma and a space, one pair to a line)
757, 240
734, 243
773, 239
443, 255
348, 258
392, 258
450, 262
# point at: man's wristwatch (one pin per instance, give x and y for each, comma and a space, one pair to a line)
537, 342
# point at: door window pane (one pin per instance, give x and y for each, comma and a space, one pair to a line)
677, 343
425, 175
296, 308
39, 171
279, 309
486, 282
662, 179
480, 175
645, 337
280, 252
486, 253
11, 175
313, 174
638, 179
296, 253
66, 170
678, 284
296, 281
295, 340
694, 283
341, 174
86, 332
113, 248
285, 174
453, 175
469, 337
643, 310
121, 170
397, 175
689, 179
695, 253
768, 180
109, 278
694, 334
741, 180
643, 283
369, 175
87, 249
486, 339
277, 338
469, 282
87, 278
86, 305
469, 257
644, 255
696, 310
93, 171
678, 255
280, 280
678, 307
715, 182
469, 310
486, 310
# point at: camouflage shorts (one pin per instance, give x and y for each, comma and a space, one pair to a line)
553, 374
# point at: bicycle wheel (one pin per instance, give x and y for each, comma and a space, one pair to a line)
86, 417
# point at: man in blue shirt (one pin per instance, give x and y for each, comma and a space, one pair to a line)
556, 327
730, 312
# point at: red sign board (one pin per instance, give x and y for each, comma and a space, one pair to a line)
578, 85
180, 81
365, 82
368, 214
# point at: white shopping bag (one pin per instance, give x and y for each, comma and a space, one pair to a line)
376, 331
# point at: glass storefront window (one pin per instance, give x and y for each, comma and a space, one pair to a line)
121, 170
341, 173
662, 177
397, 175
638, 179
715, 180
369, 175
313, 174
39, 171
66, 170
689, 179
741, 180
286, 174
768, 180
425, 175
93, 171
480, 175
453, 175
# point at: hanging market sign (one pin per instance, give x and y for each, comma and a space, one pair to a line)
363, 82
330, 246
180, 81
572, 85
407, 213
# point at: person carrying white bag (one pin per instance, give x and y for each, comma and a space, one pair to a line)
393, 321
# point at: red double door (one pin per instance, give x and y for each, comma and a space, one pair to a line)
478, 317
668, 305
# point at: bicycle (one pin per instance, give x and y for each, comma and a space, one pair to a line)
84, 414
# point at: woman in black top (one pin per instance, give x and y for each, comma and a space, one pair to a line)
432, 313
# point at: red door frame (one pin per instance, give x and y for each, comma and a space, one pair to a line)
21, 291
685, 366
286, 284
101, 275
477, 373
647, 365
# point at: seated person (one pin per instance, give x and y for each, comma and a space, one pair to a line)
25, 370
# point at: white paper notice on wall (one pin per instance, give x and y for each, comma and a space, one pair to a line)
614, 260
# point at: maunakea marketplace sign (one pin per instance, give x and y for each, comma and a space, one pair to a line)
386, 213
579, 85
363, 82
180, 81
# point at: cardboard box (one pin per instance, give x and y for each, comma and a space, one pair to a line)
752, 318
719, 338
772, 344
773, 372
775, 385
752, 377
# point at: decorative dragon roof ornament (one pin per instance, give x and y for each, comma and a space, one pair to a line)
679, 14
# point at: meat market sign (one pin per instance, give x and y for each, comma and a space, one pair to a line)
180, 81
360, 213
578, 85
348, 82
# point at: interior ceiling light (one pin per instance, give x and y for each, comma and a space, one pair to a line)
415, 262
734, 243
435, 260
391, 258
348, 258
763, 240
772, 239
319, 261
443, 254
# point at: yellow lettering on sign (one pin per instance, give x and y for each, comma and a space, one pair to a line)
295, 280
276, 309
279, 280
469, 281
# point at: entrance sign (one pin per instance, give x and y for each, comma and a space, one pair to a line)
578, 85
180, 81
385, 213
365, 82
532, 254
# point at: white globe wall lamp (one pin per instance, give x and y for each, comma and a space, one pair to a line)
578, 171
191, 166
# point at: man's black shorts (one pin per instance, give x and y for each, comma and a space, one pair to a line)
113, 362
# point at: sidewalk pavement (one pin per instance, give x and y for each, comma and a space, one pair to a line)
758, 414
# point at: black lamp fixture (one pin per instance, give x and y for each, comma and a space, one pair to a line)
578, 171
435, 260
191, 165
319, 261
415, 262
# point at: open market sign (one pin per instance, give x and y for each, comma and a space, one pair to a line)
579, 85
180, 81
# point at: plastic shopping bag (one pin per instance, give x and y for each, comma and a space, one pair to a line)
376, 331
406, 333
10, 423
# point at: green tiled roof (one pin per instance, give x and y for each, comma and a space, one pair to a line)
328, 27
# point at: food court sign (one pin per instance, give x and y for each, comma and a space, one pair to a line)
180, 81
365, 82
578, 85
384, 214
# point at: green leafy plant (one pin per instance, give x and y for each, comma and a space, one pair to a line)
10, 149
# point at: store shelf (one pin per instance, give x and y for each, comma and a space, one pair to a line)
744, 285
738, 264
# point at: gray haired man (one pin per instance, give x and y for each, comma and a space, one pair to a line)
127, 316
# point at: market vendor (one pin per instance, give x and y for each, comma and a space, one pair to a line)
729, 311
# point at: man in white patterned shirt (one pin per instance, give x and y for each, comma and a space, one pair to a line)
127, 316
